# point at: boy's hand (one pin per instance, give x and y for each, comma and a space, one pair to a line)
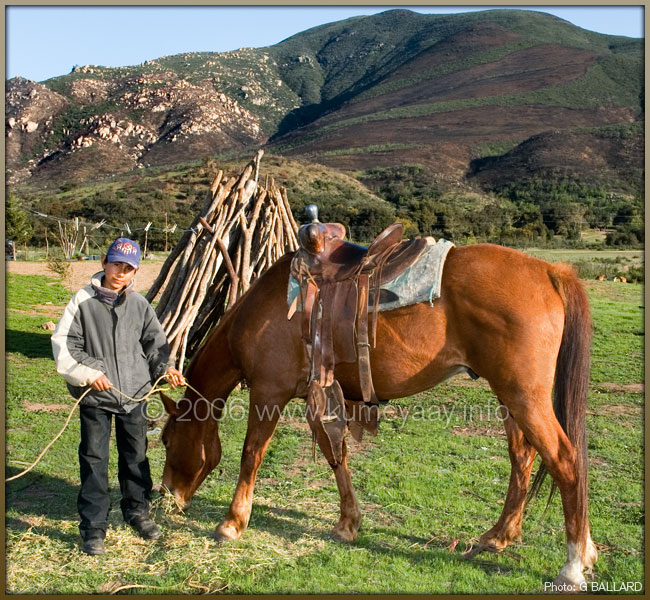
174, 376
101, 384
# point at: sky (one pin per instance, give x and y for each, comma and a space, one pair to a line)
44, 42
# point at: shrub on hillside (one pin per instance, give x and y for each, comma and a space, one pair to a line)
626, 235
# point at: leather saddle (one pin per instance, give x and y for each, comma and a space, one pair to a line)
339, 296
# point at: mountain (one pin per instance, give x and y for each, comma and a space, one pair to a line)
477, 99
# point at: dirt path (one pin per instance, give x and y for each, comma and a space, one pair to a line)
82, 271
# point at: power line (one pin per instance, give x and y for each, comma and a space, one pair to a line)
103, 223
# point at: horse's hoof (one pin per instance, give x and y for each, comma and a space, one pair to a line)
226, 533
344, 533
478, 548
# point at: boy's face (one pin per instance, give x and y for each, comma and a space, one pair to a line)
117, 274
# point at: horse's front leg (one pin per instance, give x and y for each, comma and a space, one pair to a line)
348, 526
350, 519
263, 416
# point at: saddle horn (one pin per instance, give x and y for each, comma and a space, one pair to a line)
311, 212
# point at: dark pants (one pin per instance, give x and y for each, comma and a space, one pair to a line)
133, 467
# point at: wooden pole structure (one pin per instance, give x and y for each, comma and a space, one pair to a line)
166, 225
242, 229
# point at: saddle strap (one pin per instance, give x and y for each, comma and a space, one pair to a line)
380, 261
325, 366
327, 418
307, 306
363, 345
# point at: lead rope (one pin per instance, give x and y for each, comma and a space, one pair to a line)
153, 390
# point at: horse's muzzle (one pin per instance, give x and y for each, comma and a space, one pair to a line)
179, 501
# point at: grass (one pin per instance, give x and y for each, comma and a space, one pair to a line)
591, 264
428, 487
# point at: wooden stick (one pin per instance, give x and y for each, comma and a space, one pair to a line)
286, 224
181, 358
215, 182
226, 258
222, 196
210, 313
181, 290
241, 232
162, 303
257, 160
248, 238
245, 176
193, 305
294, 225
208, 256
185, 239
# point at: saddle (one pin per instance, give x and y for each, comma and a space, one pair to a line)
339, 295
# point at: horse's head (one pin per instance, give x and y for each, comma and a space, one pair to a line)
192, 445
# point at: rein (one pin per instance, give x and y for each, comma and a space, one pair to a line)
144, 398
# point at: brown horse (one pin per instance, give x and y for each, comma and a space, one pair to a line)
519, 322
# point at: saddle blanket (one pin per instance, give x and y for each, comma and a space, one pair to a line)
421, 282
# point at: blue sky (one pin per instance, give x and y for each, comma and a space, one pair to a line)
43, 42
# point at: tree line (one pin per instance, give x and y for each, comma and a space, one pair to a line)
537, 211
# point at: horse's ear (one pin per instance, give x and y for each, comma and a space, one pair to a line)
170, 406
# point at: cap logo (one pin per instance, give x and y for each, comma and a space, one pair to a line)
125, 248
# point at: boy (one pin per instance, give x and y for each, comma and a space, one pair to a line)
109, 338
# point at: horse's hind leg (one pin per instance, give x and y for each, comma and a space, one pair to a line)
542, 429
508, 527
263, 418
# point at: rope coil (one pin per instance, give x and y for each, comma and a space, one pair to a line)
144, 398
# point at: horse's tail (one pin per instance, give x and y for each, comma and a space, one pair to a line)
571, 377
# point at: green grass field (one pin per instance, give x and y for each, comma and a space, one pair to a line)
428, 487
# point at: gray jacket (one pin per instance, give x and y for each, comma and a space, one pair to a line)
118, 335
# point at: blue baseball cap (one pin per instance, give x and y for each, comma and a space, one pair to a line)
124, 250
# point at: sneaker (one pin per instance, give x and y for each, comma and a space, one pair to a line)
145, 527
93, 546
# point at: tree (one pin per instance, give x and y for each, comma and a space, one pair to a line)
17, 225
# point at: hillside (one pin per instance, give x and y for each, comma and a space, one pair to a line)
173, 195
479, 100
457, 85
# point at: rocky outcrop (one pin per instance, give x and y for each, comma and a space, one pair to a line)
29, 104
89, 91
130, 117
30, 109
186, 109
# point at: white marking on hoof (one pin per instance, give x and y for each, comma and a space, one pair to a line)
571, 573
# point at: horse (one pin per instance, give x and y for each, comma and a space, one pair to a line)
530, 339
